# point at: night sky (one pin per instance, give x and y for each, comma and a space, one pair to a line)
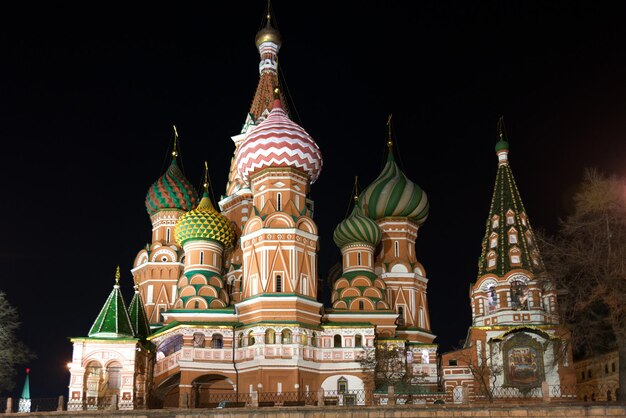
89, 94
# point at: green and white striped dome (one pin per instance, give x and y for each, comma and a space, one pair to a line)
392, 194
357, 228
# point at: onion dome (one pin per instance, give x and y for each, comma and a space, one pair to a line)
171, 191
357, 228
502, 145
204, 223
278, 142
392, 194
268, 34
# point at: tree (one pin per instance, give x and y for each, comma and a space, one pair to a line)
12, 351
387, 365
586, 262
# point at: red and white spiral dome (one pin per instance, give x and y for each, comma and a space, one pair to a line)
278, 142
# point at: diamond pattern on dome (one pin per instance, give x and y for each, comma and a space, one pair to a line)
204, 222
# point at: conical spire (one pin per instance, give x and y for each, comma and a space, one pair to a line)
138, 317
113, 320
24, 402
509, 241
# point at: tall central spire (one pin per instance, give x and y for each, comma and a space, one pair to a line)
268, 41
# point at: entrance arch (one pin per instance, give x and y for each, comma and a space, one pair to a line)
211, 389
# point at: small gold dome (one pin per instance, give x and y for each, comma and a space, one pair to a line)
268, 34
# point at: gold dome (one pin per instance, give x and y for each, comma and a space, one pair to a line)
268, 34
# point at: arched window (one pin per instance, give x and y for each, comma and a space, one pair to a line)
519, 295
492, 297
279, 283
217, 341
198, 339
114, 371
361, 305
314, 340
286, 336
305, 338
240, 340
342, 385
337, 341
491, 260
250, 338
270, 336
358, 341
279, 201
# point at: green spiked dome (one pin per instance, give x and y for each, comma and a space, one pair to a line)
113, 320
138, 317
171, 191
357, 228
392, 194
204, 223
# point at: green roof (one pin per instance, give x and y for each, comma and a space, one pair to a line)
113, 320
507, 207
138, 318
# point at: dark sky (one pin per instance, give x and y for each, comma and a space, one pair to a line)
89, 93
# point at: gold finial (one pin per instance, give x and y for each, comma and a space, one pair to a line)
389, 140
117, 275
175, 150
356, 189
206, 178
500, 126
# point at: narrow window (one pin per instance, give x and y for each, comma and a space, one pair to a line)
358, 258
337, 341
495, 221
342, 385
613, 367
279, 284
358, 341
400, 315
201, 257
217, 341
250, 338
606, 368
361, 307
196, 304
161, 310
150, 293
286, 336
174, 291
314, 340
396, 248
262, 201
279, 201
167, 236
422, 318
215, 260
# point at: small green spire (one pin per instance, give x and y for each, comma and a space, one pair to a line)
138, 317
113, 320
502, 144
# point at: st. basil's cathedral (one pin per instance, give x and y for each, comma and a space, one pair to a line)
226, 293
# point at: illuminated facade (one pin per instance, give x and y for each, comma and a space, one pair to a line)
231, 296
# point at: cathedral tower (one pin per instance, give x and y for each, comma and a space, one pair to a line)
516, 340
158, 266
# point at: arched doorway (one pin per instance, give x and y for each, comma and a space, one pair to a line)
166, 394
211, 389
113, 378
93, 384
